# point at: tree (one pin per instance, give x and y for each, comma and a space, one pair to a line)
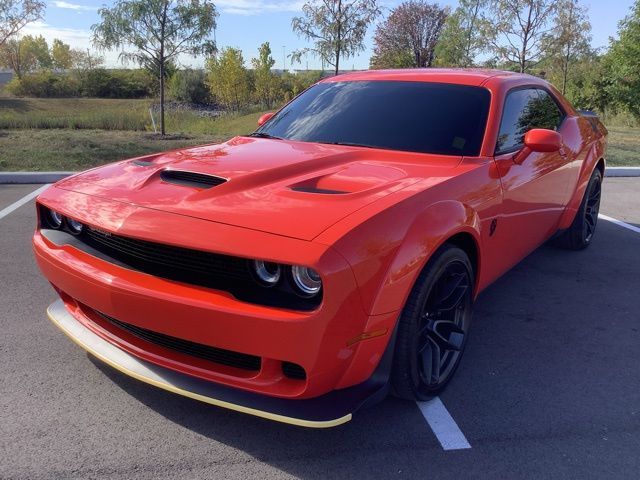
61, 55
569, 41
522, 27
266, 84
157, 31
336, 27
623, 62
85, 61
15, 14
25, 55
410, 32
38, 48
227, 78
466, 32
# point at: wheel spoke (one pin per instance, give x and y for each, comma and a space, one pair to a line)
452, 293
436, 364
446, 334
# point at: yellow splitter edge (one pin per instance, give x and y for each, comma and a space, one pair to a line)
136, 368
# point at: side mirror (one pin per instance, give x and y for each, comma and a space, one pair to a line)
265, 118
543, 140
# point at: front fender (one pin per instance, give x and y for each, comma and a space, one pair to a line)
429, 231
388, 251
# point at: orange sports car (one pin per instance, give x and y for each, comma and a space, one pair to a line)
308, 269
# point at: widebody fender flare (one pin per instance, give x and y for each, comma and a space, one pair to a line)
429, 231
591, 161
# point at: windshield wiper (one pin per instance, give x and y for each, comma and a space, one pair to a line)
264, 135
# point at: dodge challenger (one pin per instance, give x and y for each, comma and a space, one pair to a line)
331, 257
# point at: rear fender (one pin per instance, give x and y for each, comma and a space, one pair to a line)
596, 153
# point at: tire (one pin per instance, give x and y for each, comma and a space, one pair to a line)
433, 326
580, 234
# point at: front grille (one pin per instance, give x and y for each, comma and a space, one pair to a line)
294, 371
176, 263
191, 179
221, 356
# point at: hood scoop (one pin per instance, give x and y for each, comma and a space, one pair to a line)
191, 179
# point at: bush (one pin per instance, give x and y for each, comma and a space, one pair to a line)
98, 83
45, 84
188, 86
102, 83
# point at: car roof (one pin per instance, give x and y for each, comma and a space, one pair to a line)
461, 76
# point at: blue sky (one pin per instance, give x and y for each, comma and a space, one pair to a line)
247, 23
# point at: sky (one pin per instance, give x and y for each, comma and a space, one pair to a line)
245, 24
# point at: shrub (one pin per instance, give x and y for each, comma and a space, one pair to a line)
45, 84
102, 83
188, 86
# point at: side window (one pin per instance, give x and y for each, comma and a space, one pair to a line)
523, 110
549, 115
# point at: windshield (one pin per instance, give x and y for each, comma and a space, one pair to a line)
408, 116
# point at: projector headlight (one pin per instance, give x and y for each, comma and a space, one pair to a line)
75, 227
267, 273
306, 280
54, 218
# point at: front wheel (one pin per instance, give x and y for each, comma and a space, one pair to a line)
579, 235
432, 330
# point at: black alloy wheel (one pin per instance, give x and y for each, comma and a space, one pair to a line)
580, 234
434, 325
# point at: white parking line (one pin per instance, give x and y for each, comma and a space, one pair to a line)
633, 228
443, 425
27, 198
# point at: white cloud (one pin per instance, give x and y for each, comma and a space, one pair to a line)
256, 7
74, 6
77, 38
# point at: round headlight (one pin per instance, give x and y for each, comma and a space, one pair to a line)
306, 280
55, 219
75, 226
267, 273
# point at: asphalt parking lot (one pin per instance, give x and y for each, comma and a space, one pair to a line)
549, 386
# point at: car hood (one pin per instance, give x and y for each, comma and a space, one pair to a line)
295, 189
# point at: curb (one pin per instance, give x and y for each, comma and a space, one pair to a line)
32, 177
622, 172
51, 177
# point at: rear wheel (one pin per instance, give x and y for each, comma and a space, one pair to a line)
432, 329
579, 235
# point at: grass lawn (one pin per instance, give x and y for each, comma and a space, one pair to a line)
54, 149
75, 134
624, 147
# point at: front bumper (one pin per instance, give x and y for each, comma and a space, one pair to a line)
333, 343
329, 410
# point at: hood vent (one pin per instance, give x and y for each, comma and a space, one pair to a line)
191, 179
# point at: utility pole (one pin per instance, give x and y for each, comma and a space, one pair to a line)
284, 58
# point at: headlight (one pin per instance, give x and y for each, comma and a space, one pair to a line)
54, 218
74, 226
306, 280
267, 273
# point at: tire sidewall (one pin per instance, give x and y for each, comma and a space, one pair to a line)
405, 376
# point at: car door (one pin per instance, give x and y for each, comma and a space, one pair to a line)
535, 184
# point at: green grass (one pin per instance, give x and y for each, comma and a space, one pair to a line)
53, 149
624, 146
74, 113
74, 134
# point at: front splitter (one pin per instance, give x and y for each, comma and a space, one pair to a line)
329, 410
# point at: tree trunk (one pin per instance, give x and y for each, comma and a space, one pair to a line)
339, 37
162, 129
